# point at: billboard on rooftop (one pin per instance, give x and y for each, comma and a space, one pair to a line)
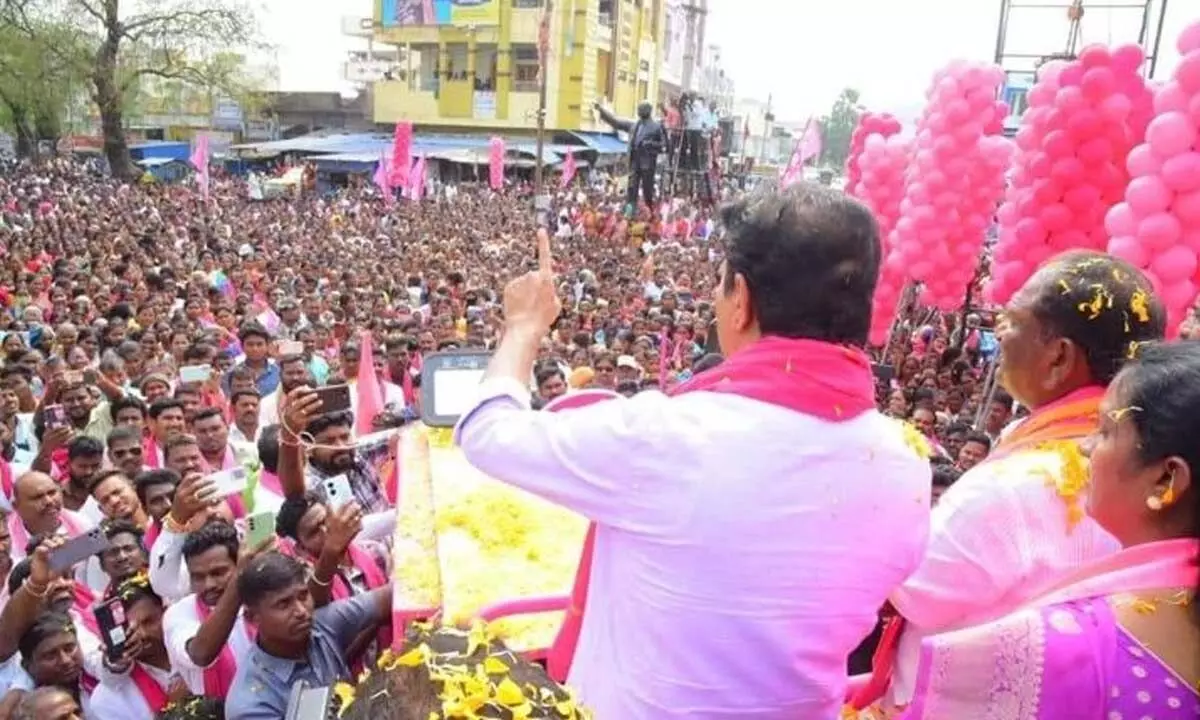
459, 13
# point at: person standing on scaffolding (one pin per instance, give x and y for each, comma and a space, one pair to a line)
646, 140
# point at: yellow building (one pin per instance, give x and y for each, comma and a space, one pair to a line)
474, 63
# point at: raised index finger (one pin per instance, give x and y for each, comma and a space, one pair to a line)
545, 264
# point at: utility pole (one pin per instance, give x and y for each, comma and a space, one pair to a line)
768, 121
543, 84
690, 10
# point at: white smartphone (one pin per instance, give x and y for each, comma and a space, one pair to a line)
195, 373
228, 482
290, 347
337, 491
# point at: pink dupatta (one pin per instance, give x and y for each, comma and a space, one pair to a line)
994, 670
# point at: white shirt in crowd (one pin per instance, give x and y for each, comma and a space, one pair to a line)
121, 698
180, 624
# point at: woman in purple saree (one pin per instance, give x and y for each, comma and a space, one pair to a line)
1120, 639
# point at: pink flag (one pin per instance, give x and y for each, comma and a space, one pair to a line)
383, 179
401, 154
496, 163
199, 160
807, 146
416, 180
367, 389
568, 170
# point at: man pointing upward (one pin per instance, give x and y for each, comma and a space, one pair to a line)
748, 527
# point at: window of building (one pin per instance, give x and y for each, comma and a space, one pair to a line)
527, 3
606, 12
525, 67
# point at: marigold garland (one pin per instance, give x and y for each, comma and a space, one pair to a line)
475, 675
1071, 480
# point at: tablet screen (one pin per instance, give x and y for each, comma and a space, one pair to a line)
455, 390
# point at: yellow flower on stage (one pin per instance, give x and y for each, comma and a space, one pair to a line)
1071, 480
916, 440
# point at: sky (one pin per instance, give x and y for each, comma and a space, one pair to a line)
801, 53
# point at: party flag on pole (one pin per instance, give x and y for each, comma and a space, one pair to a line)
496, 163
568, 173
199, 160
401, 154
383, 179
367, 389
808, 146
416, 184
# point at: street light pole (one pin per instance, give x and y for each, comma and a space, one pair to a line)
544, 48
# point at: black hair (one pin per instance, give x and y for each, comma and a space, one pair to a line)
707, 362
323, 422
158, 407
177, 441
810, 256
1102, 304
253, 329
123, 403
135, 588
292, 511
47, 625
289, 359
199, 352
205, 413
956, 428
150, 478
244, 393
978, 437
267, 573
104, 474
20, 571
268, 448
121, 526
124, 432
1162, 391
14, 369
211, 535
546, 373
944, 473
84, 446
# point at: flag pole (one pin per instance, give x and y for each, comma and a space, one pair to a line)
544, 47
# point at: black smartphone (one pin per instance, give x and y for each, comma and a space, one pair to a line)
78, 549
883, 373
110, 617
334, 398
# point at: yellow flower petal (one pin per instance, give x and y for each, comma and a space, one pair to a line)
509, 694
494, 666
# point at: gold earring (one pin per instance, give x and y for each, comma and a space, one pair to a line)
1156, 503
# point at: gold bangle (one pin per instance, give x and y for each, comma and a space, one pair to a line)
170, 524
29, 589
317, 580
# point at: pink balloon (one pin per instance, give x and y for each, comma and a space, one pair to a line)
1182, 172
1116, 107
1129, 249
1170, 134
1187, 72
1127, 59
1121, 220
1056, 217
1159, 231
1148, 195
1098, 82
1081, 198
1189, 39
1175, 264
1170, 98
1178, 295
1191, 238
1142, 161
1186, 207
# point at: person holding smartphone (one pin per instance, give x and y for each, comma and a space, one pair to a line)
205, 632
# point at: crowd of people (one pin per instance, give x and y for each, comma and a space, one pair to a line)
753, 543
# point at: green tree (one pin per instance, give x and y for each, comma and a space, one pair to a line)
837, 127
35, 89
119, 45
